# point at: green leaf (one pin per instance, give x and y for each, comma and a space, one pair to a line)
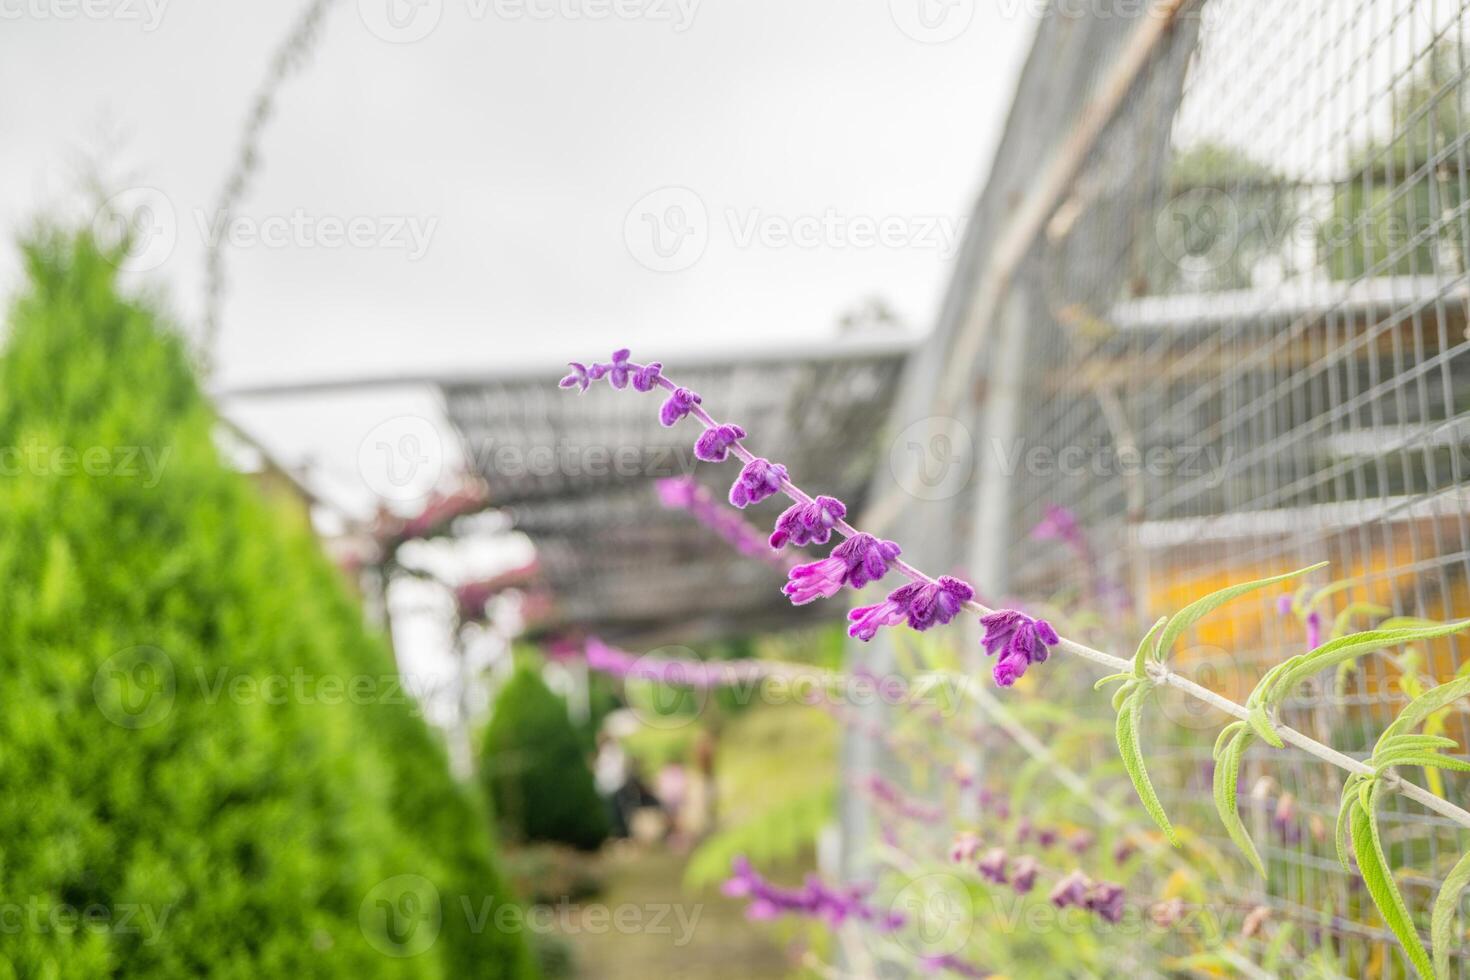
1261, 723
1200, 608
1398, 743
1346, 648
1225, 735
1146, 649
1382, 887
1344, 811
1428, 759
1227, 775
1442, 922
1345, 618
1103, 682
1426, 704
1128, 748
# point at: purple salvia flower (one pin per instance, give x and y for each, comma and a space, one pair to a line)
1283, 604
920, 604
679, 404
617, 372
578, 378
713, 444
1123, 850
1071, 890
1046, 837
808, 523
1106, 899
1023, 875
1023, 830
938, 602
992, 866
962, 851
1081, 841
758, 480
866, 620
857, 561
1021, 641
646, 377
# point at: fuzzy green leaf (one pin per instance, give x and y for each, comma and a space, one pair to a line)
1346, 648
1261, 723
1382, 887
1442, 922
1103, 682
1425, 705
1427, 759
1227, 775
1129, 749
1200, 608
1146, 649
1344, 813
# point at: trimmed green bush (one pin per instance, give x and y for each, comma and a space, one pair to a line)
535, 770
208, 768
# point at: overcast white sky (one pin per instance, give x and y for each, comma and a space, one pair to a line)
504, 176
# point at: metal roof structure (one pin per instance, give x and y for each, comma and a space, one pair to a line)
578, 475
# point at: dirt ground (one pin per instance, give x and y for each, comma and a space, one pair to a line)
666, 933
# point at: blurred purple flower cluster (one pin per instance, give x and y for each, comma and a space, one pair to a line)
814, 899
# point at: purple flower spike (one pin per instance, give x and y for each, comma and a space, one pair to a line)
808, 523
647, 377
1023, 877
677, 405
1283, 604
1020, 640
857, 561
578, 378
992, 866
713, 445
758, 480
618, 371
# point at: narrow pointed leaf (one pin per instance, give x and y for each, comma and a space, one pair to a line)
1200, 608
1425, 705
1227, 776
1348, 647
1128, 748
1442, 922
1383, 888
1226, 733
1427, 759
1103, 682
1146, 649
1261, 723
1344, 814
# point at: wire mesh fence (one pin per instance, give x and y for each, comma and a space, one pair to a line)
1234, 343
